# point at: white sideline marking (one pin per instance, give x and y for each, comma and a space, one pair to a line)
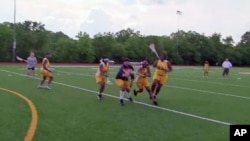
141, 103
211, 92
212, 82
184, 88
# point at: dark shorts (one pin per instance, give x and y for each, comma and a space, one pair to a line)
225, 71
33, 68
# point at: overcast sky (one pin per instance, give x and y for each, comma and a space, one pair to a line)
150, 17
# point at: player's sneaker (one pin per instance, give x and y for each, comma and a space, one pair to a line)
40, 86
155, 103
130, 99
151, 97
99, 97
135, 93
47, 87
109, 82
121, 102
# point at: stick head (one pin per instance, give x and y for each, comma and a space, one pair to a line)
19, 58
152, 47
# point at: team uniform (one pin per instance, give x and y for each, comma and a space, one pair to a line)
43, 71
206, 68
99, 74
161, 75
31, 63
140, 80
123, 80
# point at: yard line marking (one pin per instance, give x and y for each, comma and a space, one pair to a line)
34, 117
211, 92
184, 88
212, 82
141, 103
174, 78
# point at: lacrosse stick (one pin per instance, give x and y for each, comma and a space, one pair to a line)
20, 59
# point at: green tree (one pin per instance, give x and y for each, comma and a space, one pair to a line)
85, 48
6, 39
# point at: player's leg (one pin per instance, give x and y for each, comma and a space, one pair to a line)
101, 82
147, 87
33, 72
155, 84
101, 89
42, 82
28, 72
139, 88
205, 73
121, 85
224, 73
51, 77
127, 88
161, 82
158, 89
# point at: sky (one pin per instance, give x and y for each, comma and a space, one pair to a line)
150, 17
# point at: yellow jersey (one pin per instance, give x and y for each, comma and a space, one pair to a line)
143, 71
104, 69
45, 60
206, 67
161, 65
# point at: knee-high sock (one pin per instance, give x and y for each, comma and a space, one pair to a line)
121, 94
128, 94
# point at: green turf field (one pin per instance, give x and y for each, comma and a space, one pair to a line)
191, 108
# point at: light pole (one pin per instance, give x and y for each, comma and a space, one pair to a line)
14, 35
179, 13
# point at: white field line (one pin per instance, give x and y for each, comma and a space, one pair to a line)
217, 83
137, 102
211, 92
243, 86
184, 88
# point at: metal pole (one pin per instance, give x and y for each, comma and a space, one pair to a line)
178, 26
14, 35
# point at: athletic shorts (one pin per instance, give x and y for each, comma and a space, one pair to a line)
142, 83
160, 78
46, 73
101, 79
206, 70
32, 68
120, 82
225, 71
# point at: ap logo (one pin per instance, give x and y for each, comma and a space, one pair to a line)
239, 132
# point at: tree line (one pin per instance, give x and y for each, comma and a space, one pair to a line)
181, 47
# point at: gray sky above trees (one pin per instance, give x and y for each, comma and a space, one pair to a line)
150, 17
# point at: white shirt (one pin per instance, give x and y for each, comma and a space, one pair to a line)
226, 65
